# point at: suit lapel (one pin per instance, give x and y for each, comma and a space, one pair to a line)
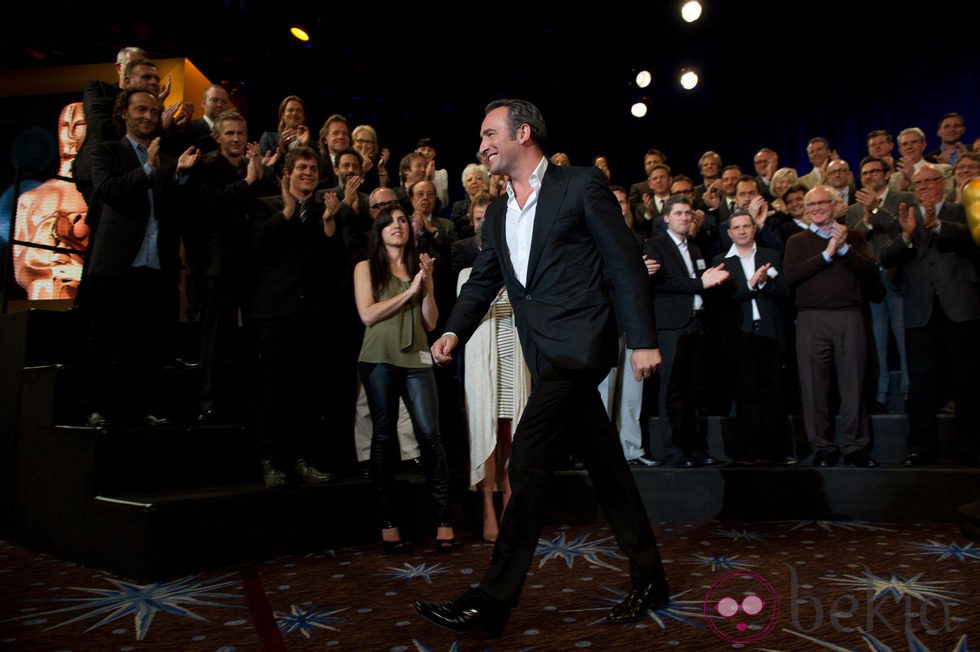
553, 188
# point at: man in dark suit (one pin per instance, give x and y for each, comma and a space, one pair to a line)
354, 217
227, 186
301, 311
678, 306
637, 190
648, 215
198, 130
560, 245
937, 258
839, 178
752, 336
132, 273
98, 99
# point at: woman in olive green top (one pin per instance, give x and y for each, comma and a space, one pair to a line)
393, 291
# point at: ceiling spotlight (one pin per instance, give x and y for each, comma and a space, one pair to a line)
643, 78
639, 109
691, 11
299, 34
689, 79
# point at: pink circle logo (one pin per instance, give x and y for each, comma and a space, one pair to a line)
741, 607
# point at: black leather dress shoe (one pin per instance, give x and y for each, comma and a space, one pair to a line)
96, 420
641, 600
861, 459
272, 476
916, 459
471, 611
702, 458
645, 461
683, 462
309, 473
154, 420
824, 460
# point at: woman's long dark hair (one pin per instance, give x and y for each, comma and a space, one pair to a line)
378, 255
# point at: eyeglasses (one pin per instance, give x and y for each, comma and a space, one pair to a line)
392, 203
822, 202
868, 173
363, 140
919, 182
839, 171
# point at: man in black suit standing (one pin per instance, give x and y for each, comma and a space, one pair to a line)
228, 184
937, 258
132, 272
752, 337
301, 316
559, 244
678, 305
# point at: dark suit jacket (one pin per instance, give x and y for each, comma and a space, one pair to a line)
216, 237
98, 99
673, 288
198, 134
884, 227
939, 265
299, 269
734, 299
582, 261
635, 195
120, 186
464, 252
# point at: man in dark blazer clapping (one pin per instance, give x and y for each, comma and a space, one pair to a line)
132, 272
936, 256
752, 337
678, 305
558, 242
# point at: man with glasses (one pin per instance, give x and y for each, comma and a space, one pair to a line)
967, 169
830, 268
875, 216
937, 259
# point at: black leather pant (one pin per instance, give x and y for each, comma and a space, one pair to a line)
383, 385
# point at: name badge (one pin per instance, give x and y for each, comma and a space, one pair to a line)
425, 357
699, 263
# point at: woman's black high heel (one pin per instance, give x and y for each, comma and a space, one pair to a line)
397, 547
446, 546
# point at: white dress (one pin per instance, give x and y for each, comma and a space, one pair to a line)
496, 381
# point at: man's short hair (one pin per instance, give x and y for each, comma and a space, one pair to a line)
521, 112
298, 153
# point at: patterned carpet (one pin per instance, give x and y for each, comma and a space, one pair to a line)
797, 585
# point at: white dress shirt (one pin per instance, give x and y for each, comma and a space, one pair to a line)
519, 223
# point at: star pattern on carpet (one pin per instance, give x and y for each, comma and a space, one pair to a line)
720, 562
305, 619
561, 548
409, 572
898, 587
142, 601
950, 550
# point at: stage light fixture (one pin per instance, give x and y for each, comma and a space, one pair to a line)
691, 11
639, 109
643, 78
689, 79
299, 33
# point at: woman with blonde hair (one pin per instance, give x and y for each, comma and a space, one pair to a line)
364, 139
